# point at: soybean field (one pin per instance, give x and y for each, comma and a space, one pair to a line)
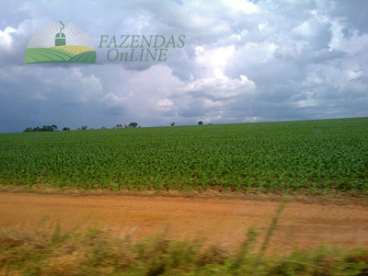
314, 156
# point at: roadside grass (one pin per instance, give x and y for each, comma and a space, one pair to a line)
51, 251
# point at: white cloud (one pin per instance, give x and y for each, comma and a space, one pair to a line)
221, 87
165, 104
6, 37
214, 61
253, 52
337, 35
241, 6
336, 75
212, 79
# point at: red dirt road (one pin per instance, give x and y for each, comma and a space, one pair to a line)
220, 221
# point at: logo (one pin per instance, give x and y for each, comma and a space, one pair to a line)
60, 43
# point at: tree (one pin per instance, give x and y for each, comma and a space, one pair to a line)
133, 124
172, 124
66, 129
119, 126
84, 127
44, 128
48, 128
200, 123
28, 129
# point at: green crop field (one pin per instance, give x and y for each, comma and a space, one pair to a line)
59, 55
307, 155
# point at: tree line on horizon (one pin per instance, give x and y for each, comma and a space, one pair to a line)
53, 127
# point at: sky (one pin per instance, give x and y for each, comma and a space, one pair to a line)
243, 61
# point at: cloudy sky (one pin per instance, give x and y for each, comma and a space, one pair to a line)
243, 61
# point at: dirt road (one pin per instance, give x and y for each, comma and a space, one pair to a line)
220, 221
